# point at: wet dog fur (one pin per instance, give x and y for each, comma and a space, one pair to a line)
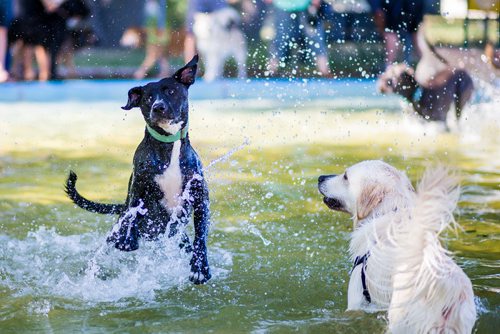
167, 184
403, 267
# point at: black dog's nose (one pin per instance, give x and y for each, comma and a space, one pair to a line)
159, 107
323, 178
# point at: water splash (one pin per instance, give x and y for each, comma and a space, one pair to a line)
83, 267
227, 155
255, 231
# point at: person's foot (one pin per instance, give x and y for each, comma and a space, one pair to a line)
44, 76
163, 73
29, 75
139, 74
4, 75
272, 67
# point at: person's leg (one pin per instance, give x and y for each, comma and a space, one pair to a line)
285, 34
28, 71
164, 70
392, 45
43, 59
4, 75
189, 47
322, 64
66, 58
16, 65
148, 62
314, 38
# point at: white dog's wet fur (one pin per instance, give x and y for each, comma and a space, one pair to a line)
399, 263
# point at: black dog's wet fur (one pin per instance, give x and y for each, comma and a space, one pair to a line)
151, 159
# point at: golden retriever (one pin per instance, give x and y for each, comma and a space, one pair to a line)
399, 263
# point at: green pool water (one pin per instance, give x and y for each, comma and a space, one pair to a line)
278, 255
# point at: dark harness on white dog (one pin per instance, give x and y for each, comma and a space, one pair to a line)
362, 260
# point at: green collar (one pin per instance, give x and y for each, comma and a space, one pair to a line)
181, 134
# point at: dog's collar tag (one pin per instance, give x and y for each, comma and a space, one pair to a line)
418, 94
181, 134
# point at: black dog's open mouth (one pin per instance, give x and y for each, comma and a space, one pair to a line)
334, 204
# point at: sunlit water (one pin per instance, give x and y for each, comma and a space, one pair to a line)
278, 255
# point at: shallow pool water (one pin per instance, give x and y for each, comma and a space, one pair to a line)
278, 255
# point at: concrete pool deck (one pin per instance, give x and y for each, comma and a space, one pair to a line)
281, 90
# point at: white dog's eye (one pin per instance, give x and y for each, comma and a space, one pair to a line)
345, 176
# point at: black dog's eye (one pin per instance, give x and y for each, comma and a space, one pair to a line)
170, 91
345, 176
149, 99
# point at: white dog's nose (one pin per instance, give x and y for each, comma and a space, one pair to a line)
323, 178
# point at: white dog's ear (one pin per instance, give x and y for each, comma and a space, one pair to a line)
370, 197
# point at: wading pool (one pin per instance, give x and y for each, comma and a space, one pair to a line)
278, 256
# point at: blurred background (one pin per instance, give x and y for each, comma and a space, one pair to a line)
139, 38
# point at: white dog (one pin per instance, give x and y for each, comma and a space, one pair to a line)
219, 37
399, 263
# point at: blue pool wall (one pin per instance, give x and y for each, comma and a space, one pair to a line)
116, 90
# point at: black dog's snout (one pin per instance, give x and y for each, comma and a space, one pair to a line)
323, 178
159, 107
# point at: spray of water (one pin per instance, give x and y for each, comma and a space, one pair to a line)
84, 267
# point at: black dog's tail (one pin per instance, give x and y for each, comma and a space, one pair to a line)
107, 209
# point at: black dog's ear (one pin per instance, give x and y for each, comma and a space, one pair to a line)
187, 74
134, 96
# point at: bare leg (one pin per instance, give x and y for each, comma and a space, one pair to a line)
43, 60
273, 64
29, 72
322, 64
16, 67
4, 75
163, 65
66, 57
189, 47
149, 61
392, 45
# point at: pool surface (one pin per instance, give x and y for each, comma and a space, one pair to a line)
278, 255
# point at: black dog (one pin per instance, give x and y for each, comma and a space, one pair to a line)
433, 102
167, 182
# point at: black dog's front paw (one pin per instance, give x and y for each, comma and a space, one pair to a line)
127, 244
125, 239
200, 271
